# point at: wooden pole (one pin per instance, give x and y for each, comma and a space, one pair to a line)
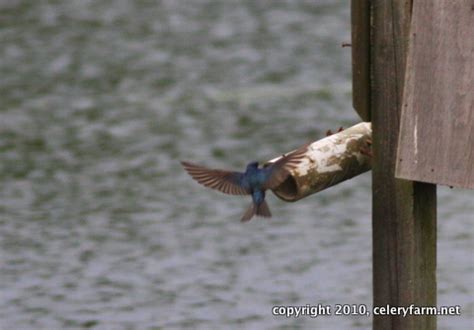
360, 35
404, 212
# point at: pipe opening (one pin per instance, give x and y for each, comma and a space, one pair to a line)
288, 190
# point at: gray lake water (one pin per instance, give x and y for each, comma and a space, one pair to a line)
100, 226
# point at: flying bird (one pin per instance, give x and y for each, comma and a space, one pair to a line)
254, 181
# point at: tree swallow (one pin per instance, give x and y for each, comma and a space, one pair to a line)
254, 181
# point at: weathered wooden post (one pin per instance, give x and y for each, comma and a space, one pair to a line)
404, 212
427, 105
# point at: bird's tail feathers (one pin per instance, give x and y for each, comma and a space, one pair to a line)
260, 210
263, 210
249, 213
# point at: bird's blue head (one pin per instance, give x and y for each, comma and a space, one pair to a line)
252, 165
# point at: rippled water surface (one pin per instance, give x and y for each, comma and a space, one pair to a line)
101, 228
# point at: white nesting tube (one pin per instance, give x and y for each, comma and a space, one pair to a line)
327, 162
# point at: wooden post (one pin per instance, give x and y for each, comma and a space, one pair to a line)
404, 212
360, 35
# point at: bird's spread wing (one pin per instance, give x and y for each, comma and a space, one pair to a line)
225, 181
280, 170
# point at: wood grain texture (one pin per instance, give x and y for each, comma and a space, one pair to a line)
360, 32
436, 142
404, 212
